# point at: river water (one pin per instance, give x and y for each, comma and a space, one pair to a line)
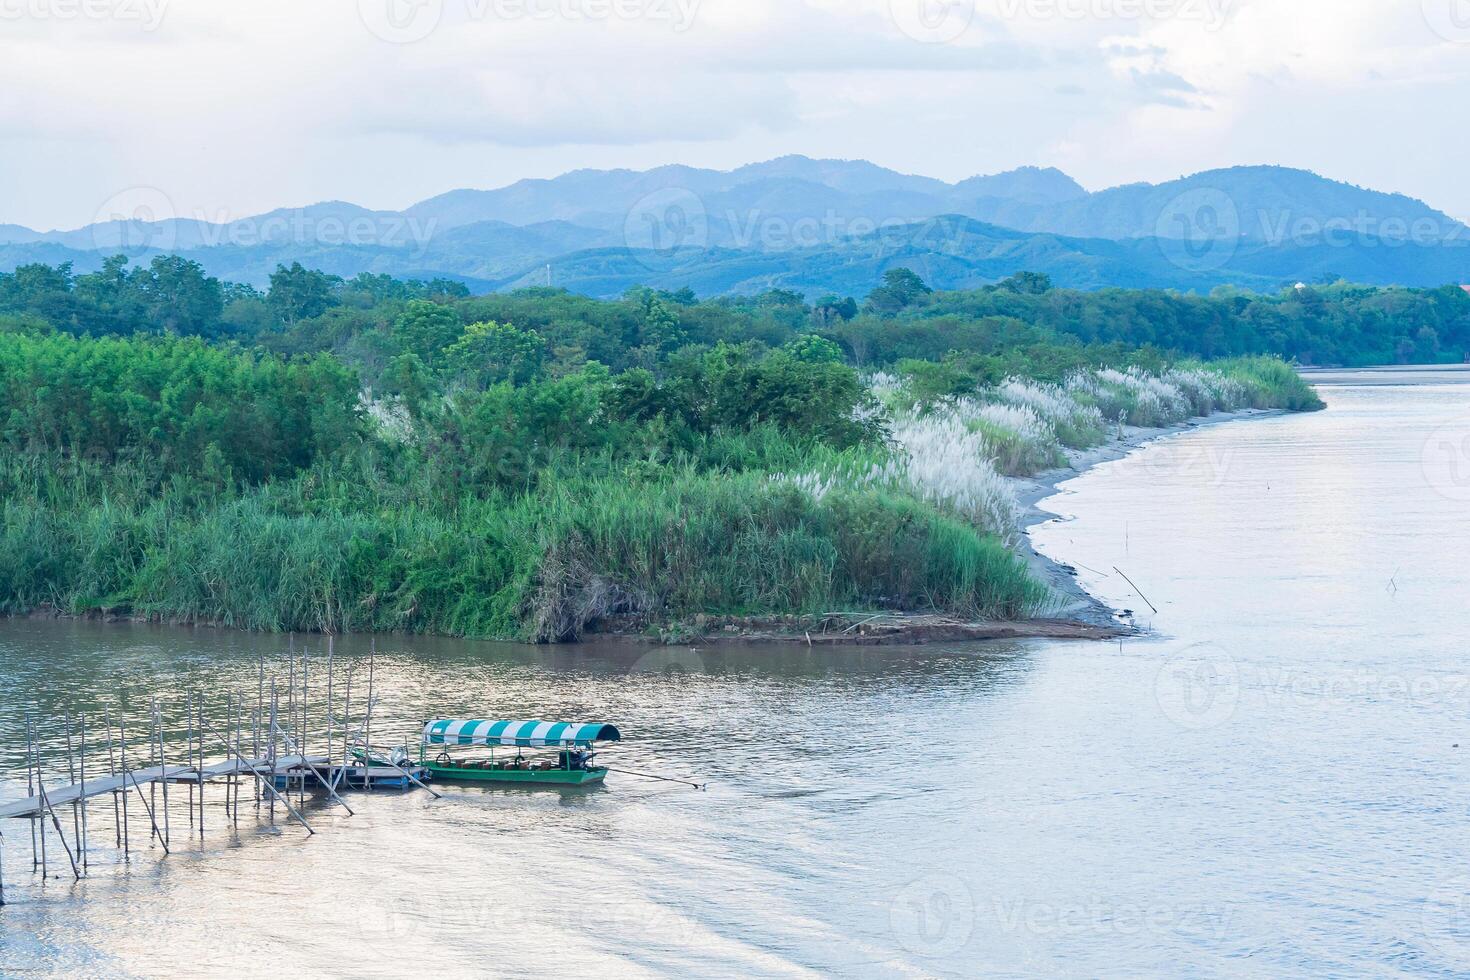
1272, 782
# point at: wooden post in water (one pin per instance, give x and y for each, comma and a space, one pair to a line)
199, 767
275, 703
162, 768
55, 821
189, 745
259, 717
119, 823
86, 838
71, 773
347, 719
301, 728
367, 734
128, 777
33, 761
152, 748
330, 730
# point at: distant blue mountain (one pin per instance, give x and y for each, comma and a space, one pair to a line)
821, 226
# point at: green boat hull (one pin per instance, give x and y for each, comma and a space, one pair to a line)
520, 777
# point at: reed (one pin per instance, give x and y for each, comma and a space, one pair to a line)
541, 566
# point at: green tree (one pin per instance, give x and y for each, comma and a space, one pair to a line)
426, 329
900, 289
299, 293
179, 298
489, 352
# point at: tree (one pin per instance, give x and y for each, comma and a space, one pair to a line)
299, 293
1026, 283
830, 309
489, 352
425, 329
811, 349
901, 288
660, 332
179, 298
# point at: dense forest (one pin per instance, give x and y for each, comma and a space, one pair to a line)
305, 311
380, 454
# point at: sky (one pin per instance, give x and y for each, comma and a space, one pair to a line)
222, 109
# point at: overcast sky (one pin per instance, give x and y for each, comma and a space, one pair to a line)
233, 107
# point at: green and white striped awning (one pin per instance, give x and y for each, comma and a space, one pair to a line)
524, 734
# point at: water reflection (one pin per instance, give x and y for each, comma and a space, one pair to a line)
1269, 785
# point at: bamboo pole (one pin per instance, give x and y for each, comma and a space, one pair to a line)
86, 839
275, 703
55, 821
189, 745
119, 821
162, 769
31, 791
199, 769
367, 738
71, 773
33, 755
270, 787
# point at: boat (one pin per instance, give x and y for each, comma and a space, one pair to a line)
568, 759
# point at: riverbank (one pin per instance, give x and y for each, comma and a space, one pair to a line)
1072, 613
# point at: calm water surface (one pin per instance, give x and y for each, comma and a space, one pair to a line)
1267, 785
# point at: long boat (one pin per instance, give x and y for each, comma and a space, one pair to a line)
570, 761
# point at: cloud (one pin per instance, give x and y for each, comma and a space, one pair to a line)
241, 106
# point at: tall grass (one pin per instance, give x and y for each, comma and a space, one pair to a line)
922, 523
543, 565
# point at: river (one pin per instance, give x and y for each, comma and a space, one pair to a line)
1271, 782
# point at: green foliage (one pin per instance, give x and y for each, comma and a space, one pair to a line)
350, 455
425, 329
901, 288
487, 353
170, 400
299, 293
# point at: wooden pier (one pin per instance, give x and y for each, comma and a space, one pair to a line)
274, 743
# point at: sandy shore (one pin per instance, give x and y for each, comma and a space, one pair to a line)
1075, 603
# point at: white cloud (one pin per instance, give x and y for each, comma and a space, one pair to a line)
237, 106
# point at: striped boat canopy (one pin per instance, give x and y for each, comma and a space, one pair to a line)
525, 734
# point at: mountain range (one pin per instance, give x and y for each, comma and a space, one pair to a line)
814, 226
